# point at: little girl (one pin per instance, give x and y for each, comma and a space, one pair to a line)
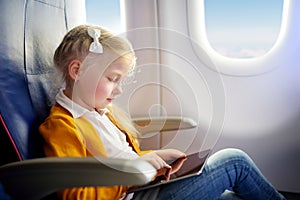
83, 122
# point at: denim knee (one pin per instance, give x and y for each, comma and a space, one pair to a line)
231, 154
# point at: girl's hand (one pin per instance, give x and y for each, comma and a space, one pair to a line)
155, 160
170, 154
158, 159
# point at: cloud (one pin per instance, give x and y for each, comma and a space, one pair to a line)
241, 52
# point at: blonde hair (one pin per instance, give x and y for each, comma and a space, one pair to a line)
75, 46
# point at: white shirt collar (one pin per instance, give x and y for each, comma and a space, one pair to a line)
75, 109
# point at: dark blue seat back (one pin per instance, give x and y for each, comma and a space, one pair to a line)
30, 31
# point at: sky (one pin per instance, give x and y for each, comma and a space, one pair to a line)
105, 13
235, 28
243, 28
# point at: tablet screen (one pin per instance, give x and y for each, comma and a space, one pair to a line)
192, 166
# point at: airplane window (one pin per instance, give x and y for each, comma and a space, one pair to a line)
242, 29
104, 13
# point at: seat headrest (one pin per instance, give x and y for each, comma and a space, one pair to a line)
30, 32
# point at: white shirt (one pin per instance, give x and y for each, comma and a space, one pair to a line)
113, 139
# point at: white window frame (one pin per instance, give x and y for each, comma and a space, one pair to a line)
223, 64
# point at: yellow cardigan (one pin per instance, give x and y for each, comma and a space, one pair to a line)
65, 136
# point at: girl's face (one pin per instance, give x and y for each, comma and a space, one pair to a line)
96, 88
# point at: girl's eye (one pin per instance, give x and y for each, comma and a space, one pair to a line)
113, 79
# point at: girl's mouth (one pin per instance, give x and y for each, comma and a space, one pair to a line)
109, 100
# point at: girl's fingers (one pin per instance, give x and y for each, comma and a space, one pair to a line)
155, 160
170, 154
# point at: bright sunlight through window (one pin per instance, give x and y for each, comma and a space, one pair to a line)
243, 28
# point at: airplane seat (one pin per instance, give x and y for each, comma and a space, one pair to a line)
25, 76
30, 31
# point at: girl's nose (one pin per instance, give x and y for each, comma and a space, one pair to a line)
118, 89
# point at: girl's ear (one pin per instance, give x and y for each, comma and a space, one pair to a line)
74, 67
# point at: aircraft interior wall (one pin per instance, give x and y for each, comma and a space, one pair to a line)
252, 104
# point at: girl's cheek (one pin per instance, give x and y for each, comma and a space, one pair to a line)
100, 90
103, 89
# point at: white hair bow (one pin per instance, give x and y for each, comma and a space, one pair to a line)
96, 46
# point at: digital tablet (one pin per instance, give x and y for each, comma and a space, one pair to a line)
192, 166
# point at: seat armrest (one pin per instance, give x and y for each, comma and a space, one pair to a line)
156, 124
36, 178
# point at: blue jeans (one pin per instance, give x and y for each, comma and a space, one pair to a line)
228, 169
